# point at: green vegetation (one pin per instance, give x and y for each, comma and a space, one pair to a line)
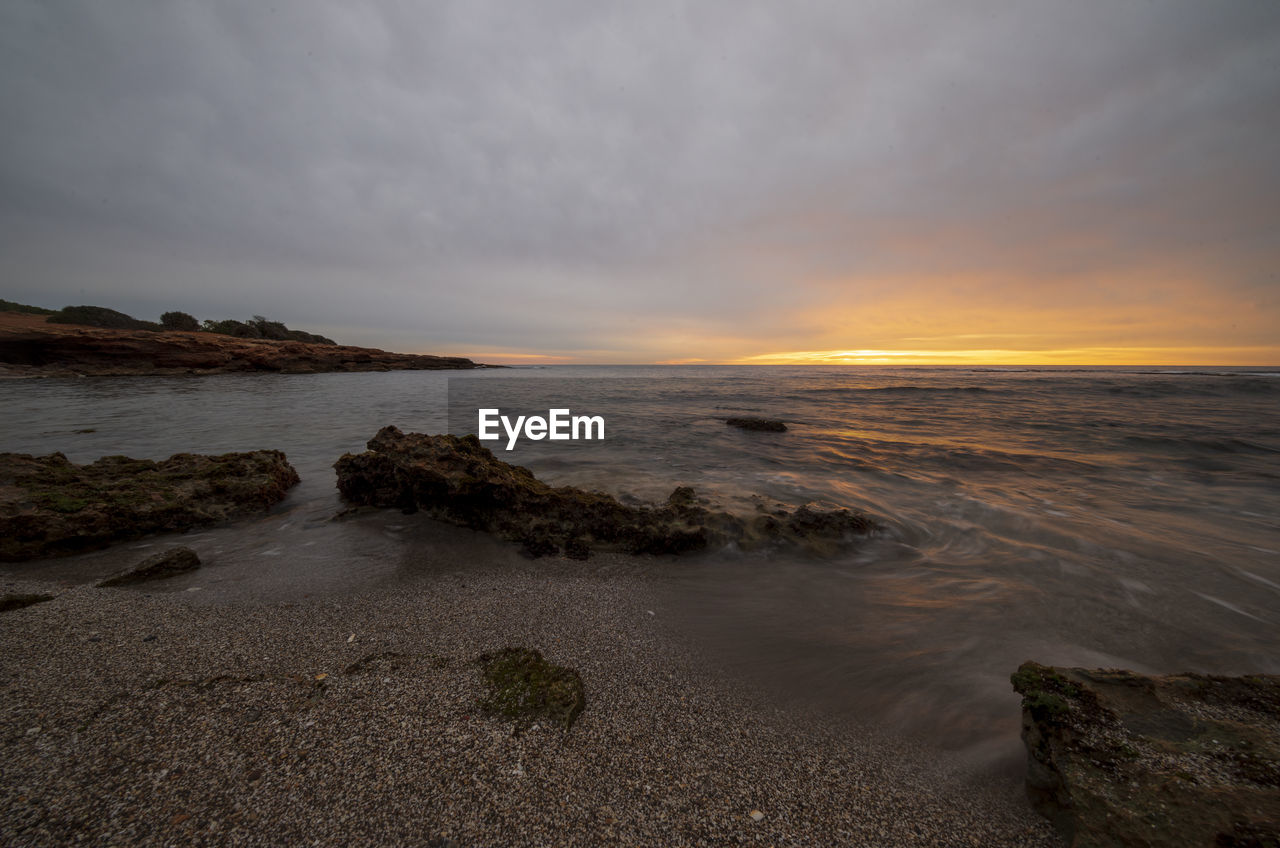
1031, 677
100, 316
1045, 705
179, 321
523, 686
61, 503
81, 507
259, 327
1045, 692
10, 306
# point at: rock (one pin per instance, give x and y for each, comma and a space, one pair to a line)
683, 496
1119, 759
457, 479
756, 815
51, 507
12, 601
524, 686
157, 567
763, 425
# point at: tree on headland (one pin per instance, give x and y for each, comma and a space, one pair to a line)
259, 327
270, 329
100, 316
10, 306
179, 321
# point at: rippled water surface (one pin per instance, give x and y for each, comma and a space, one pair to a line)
1115, 517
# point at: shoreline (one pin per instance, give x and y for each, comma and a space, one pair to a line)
31, 347
140, 717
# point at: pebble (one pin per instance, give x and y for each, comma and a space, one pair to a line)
670, 746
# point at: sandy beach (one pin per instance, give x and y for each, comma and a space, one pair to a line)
144, 717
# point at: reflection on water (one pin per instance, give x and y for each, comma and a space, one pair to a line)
1094, 517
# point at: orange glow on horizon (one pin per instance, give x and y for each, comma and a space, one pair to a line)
1165, 356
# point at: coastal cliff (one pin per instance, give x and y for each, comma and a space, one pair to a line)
30, 347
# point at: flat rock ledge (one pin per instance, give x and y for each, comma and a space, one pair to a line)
458, 480
50, 506
1120, 759
159, 566
18, 600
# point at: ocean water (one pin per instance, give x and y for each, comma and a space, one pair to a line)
1104, 517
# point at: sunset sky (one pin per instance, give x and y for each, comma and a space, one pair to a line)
901, 182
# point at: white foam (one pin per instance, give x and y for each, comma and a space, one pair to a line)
1228, 605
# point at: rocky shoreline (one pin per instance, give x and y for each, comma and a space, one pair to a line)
31, 347
49, 506
1118, 759
459, 480
1114, 758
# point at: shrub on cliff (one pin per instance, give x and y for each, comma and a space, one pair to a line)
99, 316
230, 327
179, 321
269, 329
259, 327
313, 338
10, 306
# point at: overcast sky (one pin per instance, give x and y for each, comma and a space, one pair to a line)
960, 181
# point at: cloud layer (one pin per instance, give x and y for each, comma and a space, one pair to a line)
657, 181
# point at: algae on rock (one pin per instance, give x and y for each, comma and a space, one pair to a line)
1121, 759
50, 506
457, 479
524, 686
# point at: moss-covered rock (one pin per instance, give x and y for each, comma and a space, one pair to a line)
525, 687
50, 506
457, 479
1120, 759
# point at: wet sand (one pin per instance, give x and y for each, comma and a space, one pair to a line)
141, 717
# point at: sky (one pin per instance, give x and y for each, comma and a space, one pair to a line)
1090, 182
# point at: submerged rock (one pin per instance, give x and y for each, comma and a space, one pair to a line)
13, 601
457, 479
168, 563
764, 425
523, 686
50, 506
1119, 759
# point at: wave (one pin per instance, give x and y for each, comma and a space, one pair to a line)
1113, 370
900, 457
1224, 445
1223, 387
896, 390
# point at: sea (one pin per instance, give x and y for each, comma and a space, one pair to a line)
1101, 517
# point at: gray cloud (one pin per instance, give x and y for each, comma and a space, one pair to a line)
570, 177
